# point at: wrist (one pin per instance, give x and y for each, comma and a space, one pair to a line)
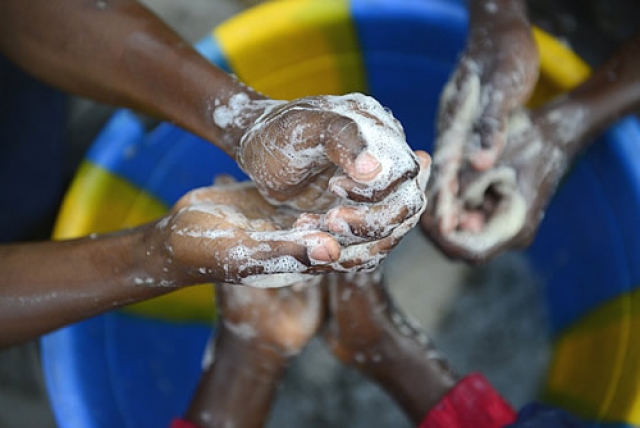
483, 12
233, 113
404, 363
265, 361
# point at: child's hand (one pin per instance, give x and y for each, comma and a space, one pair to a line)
330, 153
282, 319
501, 208
495, 75
229, 233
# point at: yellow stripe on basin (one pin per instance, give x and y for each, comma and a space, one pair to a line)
296, 48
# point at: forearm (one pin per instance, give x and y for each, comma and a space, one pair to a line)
44, 286
118, 52
496, 15
237, 389
411, 372
612, 92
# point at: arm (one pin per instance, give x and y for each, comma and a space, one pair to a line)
118, 52
225, 233
503, 206
44, 286
260, 332
613, 91
308, 153
238, 387
365, 330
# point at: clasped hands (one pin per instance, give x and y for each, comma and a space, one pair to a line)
335, 187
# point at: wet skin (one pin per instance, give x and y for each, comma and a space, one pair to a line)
610, 93
224, 233
118, 52
260, 331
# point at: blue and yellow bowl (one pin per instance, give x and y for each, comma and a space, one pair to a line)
138, 367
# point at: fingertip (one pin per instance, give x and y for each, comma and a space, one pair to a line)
325, 252
366, 167
484, 159
424, 158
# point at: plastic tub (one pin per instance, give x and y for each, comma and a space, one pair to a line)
137, 368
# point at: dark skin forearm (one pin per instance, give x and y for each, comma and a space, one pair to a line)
239, 387
495, 13
118, 52
44, 286
366, 331
612, 92
413, 373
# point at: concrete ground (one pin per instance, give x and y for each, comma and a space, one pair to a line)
487, 319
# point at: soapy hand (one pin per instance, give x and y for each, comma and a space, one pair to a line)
501, 208
229, 233
495, 76
343, 156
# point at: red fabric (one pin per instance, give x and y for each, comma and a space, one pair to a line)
472, 403
179, 423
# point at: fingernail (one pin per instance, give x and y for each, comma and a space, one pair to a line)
483, 160
367, 164
320, 255
338, 225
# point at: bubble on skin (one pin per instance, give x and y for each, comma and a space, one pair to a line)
383, 134
197, 232
509, 217
144, 281
239, 110
491, 7
384, 137
410, 194
276, 280
505, 222
451, 141
242, 330
346, 295
209, 355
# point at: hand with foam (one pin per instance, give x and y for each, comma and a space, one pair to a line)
341, 159
495, 76
501, 208
489, 211
229, 233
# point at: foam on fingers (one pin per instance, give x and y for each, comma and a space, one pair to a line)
503, 223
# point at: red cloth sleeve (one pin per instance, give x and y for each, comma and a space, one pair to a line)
472, 403
179, 423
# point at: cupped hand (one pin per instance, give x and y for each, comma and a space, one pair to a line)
282, 319
501, 208
494, 76
318, 153
229, 233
